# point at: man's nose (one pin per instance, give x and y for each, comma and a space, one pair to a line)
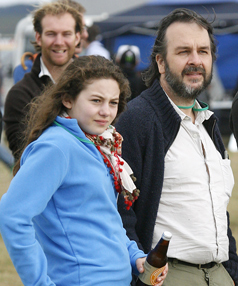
195, 59
58, 39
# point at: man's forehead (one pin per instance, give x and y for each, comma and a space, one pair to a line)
51, 18
183, 34
63, 21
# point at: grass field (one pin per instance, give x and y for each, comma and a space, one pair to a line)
8, 275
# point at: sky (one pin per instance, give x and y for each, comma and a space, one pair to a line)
93, 7
13, 2
93, 2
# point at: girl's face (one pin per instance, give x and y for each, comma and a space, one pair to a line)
96, 106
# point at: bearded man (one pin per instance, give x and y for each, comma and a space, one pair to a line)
174, 146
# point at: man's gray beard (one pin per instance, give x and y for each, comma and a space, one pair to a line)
180, 88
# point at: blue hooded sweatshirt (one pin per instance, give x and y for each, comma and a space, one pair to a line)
59, 218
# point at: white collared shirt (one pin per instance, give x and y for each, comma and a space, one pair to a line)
44, 70
196, 191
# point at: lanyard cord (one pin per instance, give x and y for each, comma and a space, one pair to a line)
195, 109
202, 109
187, 107
80, 139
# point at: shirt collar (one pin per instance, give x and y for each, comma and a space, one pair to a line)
44, 70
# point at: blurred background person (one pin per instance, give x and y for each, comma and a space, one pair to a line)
84, 32
128, 57
92, 45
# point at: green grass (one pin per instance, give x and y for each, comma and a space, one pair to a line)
233, 204
8, 275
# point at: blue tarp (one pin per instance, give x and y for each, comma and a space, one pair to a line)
227, 60
149, 15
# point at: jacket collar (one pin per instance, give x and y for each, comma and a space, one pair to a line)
170, 120
165, 112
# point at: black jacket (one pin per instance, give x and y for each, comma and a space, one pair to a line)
234, 117
19, 96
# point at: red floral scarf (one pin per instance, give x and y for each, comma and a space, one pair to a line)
109, 145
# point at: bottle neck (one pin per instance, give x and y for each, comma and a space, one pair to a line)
162, 246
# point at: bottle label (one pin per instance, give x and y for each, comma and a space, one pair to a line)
150, 274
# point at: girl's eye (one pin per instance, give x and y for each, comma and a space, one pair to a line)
95, 100
114, 102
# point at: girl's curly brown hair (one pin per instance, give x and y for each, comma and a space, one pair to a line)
81, 72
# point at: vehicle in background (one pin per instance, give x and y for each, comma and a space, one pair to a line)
24, 34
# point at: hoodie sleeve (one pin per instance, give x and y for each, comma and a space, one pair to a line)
134, 253
42, 171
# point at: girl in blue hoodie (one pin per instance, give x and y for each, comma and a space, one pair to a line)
59, 218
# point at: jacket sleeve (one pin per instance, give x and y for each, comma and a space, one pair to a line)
14, 112
134, 253
232, 264
234, 117
28, 195
132, 152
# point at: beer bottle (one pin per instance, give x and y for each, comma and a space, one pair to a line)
155, 261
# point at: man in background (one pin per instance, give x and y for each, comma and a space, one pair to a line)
128, 58
84, 33
57, 32
28, 58
93, 46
